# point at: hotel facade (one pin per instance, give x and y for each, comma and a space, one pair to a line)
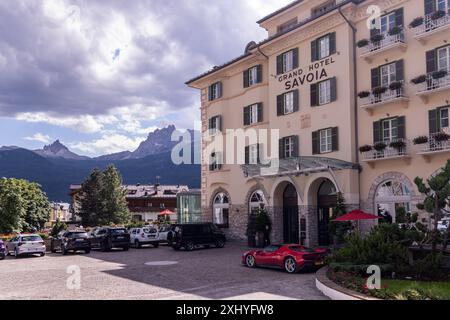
358, 93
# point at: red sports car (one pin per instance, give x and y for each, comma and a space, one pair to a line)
291, 257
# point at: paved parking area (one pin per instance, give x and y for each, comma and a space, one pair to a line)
150, 273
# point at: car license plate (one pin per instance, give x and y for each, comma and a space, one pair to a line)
120, 238
79, 240
319, 263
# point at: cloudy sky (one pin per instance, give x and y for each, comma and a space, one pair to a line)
100, 75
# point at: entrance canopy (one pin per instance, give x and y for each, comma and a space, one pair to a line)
298, 166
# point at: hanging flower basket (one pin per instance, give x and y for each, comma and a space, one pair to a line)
377, 38
395, 30
362, 43
420, 140
396, 85
438, 14
379, 90
419, 79
363, 94
416, 22
365, 148
380, 146
398, 145
439, 74
441, 137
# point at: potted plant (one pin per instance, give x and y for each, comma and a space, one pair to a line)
441, 137
365, 148
379, 90
395, 30
380, 146
377, 38
420, 140
439, 74
363, 94
398, 145
362, 43
437, 14
416, 22
420, 79
396, 85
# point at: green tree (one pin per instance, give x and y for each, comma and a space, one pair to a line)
58, 227
89, 197
437, 194
115, 209
24, 207
339, 230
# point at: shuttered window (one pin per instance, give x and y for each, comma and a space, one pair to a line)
323, 92
253, 114
388, 130
443, 58
215, 124
387, 22
287, 61
215, 161
252, 154
323, 47
289, 147
325, 141
288, 103
252, 76
215, 91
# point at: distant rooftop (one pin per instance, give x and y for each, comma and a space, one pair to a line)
273, 14
148, 191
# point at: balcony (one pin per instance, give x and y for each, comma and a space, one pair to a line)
430, 25
433, 82
395, 93
389, 42
387, 150
437, 144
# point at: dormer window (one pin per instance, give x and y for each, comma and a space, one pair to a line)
323, 8
287, 26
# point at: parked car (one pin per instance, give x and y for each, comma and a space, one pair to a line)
2, 250
163, 234
26, 244
191, 236
73, 241
107, 238
144, 236
292, 258
443, 225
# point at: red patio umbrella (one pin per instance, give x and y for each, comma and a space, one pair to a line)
166, 212
357, 215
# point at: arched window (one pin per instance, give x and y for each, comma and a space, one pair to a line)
221, 210
257, 201
393, 201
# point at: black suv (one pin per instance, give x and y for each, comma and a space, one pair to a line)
108, 238
190, 236
74, 241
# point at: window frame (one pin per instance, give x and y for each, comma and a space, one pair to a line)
447, 118
319, 47
224, 208
215, 92
327, 93
390, 75
289, 147
328, 140
253, 112
447, 57
285, 102
253, 76
388, 18
287, 67
390, 129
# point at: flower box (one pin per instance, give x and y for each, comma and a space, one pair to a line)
396, 85
398, 145
416, 22
441, 137
437, 15
380, 146
439, 74
419, 79
379, 90
395, 30
420, 140
377, 38
363, 94
365, 148
362, 43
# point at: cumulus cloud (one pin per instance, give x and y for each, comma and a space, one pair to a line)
39, 137
107, 144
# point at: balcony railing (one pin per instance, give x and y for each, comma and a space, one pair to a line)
436, 145
434, 84
388, 153
389, 95
388, 41
431, 25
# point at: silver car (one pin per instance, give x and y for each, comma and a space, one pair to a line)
26, 244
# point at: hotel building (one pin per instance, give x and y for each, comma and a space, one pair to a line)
360, 98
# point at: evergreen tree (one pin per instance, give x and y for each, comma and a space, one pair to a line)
89, 197
113, 195
436, 203
339, 229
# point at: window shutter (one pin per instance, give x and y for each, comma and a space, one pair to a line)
431, 61
281, 148
259, 153
280, 64
219, 159
210, 123
377, 132
400, 70
332, 43
401, 128
296, 101
315, 142
374, 31
295, 57
430, 6
220, 90
314, 51
260, 112
246, 116
335, 139
247, 155
296, 146
314, 95
246, 78
259, 73
210, 93
280, 105
375, 77
333, 85
399, 17
219, 123
434, 121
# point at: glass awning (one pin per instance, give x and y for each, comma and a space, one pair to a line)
297, 166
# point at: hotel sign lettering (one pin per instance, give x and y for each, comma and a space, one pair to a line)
311, 74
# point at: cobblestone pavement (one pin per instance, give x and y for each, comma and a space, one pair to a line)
150, 273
